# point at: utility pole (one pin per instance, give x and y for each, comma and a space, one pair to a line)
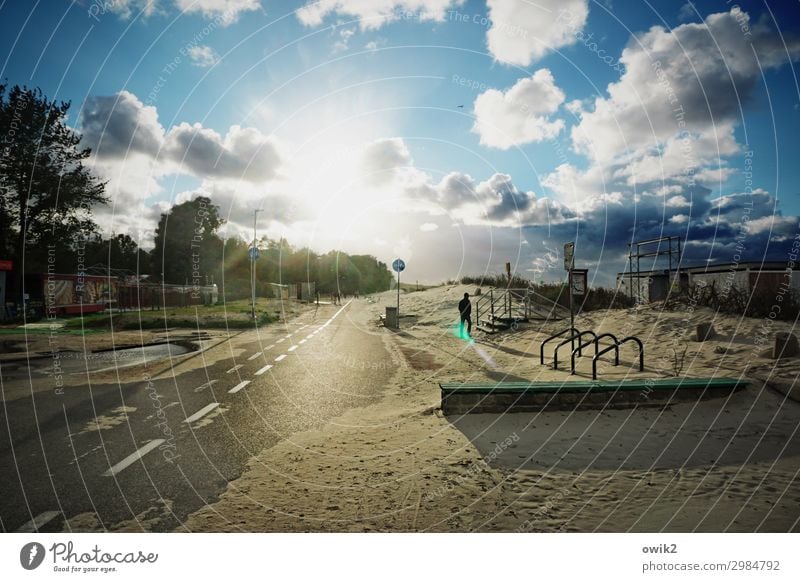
253, 257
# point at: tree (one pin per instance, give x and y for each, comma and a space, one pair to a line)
117, 252
187, 247
46, 193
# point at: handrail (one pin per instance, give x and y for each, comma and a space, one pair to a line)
552, 337
571, 339
579, 349
615, 347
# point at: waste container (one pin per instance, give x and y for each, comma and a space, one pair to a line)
391, 317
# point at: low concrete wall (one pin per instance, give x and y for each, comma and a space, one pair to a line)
498, 401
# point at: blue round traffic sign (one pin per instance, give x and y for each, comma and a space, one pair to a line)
398, 265
254, 253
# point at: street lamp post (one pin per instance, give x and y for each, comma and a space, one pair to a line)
253, 266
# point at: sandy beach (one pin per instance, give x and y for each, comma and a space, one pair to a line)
722, 464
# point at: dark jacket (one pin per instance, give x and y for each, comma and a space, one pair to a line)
465, 307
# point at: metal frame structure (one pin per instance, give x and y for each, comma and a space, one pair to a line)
658, 252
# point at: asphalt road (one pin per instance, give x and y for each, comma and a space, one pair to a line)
170, 446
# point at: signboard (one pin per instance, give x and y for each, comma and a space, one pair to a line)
398, 265
569, 256
253, 253
578, 282
6, 265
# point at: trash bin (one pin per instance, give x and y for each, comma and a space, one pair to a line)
391, 317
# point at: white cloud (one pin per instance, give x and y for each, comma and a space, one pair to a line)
203, 56
520, 115
523, 31
244, 153
225, 11
384, 159
692, 79
124, 8
120, 125
429, 227
373, 14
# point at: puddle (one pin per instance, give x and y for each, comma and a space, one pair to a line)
79, 362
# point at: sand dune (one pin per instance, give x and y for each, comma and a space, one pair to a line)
725, 464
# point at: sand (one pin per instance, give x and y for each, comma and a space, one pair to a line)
725, 464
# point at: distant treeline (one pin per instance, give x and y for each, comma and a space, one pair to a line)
188, 250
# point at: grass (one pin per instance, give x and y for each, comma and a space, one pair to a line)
234, 315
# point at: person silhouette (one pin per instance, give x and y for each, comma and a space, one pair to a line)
465, 310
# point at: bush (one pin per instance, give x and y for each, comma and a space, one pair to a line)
597, 298
735, 301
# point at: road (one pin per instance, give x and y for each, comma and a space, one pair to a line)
146, 453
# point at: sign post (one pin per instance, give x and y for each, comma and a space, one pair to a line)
569, 263
253, 252
398, 265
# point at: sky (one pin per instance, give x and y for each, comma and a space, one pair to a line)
456, 134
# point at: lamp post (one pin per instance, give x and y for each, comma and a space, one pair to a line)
253, 255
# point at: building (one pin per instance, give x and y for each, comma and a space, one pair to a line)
746, 277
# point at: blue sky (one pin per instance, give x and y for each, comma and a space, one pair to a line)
458, 135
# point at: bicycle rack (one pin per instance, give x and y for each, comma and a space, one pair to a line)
597, 345
579, 350
552, 337
615, 346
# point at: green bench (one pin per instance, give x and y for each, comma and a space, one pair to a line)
463, 398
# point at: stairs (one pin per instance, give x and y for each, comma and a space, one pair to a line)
501, 309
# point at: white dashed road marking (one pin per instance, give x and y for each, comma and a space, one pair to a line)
292, 348
238, 387
254, 356
37, 522
264, 369
202, 412
133, 457
279, 358
236, 367
302, 341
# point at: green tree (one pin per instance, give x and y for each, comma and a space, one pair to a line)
46, 193
119, 252
187, 247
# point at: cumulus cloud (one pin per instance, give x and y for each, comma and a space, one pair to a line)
119, 125
225, 11
243, 154
519, 115
124, 8
203, 56
496, 201
373, 14
383, 160
685, 83
523, 31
